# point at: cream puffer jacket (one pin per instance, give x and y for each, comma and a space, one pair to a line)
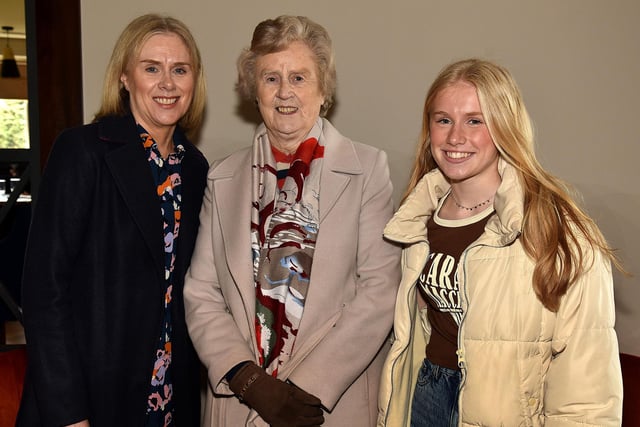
522, 364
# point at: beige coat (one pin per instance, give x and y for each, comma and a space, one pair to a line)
341, 343
522, 365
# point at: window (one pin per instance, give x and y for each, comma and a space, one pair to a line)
14, 123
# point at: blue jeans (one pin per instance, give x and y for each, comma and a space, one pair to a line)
435, 401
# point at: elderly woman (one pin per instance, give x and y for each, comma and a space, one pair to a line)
112, 235
290, 293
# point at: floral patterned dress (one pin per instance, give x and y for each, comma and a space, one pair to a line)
166, 175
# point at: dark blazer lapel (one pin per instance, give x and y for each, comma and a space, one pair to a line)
129, 168
192, 188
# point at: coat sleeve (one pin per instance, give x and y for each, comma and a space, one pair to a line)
352, 343
584, 383
54, 239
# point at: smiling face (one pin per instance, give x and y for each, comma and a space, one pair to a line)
461, 143
160, 82
288, 94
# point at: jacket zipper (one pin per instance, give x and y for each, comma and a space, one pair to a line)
463, 283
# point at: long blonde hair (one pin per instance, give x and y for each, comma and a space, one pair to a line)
115, 98
554, 225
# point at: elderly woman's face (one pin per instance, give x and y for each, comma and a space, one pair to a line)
160, 82
289, 96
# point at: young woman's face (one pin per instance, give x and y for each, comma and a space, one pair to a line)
460, 141
288, 94
160, 82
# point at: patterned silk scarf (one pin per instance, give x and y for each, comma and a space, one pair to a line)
284, 226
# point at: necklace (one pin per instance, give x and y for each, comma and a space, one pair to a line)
471, 208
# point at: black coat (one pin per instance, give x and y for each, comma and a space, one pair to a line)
93, 282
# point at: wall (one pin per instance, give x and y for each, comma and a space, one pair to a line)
576, 61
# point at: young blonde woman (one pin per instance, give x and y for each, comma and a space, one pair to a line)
505, 311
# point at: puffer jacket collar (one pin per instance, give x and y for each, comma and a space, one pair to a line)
409, 224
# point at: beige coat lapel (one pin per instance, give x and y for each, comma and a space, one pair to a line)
232, 187
323, 306
341, 161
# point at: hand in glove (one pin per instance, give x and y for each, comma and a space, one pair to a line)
278, 403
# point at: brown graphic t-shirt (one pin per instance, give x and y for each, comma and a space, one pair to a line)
438, 283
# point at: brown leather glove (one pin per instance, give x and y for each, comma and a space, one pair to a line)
278, 403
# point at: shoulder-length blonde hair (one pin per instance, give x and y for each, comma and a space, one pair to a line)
115, 98
553, 222
275, 35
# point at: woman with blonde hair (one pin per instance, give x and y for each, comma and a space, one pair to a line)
505, 310
110, 241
